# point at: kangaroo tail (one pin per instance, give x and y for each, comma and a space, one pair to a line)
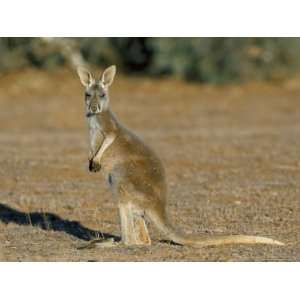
166, 228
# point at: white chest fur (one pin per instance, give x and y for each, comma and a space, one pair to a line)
95, 133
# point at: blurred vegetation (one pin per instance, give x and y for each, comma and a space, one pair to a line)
216, 60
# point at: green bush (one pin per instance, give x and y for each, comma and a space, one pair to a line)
225, 59
21, 52
215, 60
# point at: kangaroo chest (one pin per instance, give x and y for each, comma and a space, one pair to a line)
93, 124
95, 132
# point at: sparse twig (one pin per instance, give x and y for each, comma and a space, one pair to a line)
67, 47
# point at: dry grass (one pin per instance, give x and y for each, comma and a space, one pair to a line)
231, 155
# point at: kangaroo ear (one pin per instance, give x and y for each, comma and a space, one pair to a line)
108, 75
85, 76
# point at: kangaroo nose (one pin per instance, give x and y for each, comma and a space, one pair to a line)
93, 108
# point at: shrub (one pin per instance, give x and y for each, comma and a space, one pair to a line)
215, 60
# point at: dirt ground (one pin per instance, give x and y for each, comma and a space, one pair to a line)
231, 155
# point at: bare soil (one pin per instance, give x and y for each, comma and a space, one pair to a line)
231, 155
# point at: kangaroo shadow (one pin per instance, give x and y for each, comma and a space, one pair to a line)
50, 221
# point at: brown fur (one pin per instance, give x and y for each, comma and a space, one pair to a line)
135, 174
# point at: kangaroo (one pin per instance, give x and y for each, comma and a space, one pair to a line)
134, 172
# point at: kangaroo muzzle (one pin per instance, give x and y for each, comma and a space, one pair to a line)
95, 108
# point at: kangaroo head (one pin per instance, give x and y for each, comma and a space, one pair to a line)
96, 90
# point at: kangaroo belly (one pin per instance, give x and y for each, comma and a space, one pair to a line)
131, 166
137, 181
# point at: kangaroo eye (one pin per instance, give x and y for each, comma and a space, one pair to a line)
102, 95
87, 95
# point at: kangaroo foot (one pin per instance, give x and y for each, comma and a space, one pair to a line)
98, 243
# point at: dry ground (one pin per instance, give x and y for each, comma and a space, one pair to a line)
231, 155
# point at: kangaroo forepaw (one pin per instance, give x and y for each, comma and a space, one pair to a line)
94, 166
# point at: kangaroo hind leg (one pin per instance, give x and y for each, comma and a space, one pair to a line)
133, 226
141, 232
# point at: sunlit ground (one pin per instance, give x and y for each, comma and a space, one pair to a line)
231, 154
